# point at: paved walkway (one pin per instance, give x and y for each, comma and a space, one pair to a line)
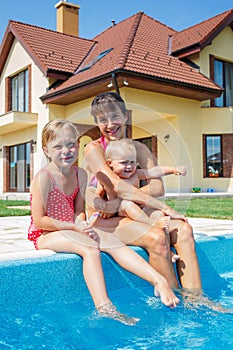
14, 243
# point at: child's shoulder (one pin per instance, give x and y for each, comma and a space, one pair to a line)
41, 179
43, 174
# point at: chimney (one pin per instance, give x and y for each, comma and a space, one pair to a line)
67, 18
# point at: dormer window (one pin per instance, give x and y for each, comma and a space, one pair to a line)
20, 92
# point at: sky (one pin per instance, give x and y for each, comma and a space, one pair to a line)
96, 15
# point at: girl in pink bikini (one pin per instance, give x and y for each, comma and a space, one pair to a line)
58, 221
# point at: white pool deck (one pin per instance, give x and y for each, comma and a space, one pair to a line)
14, 244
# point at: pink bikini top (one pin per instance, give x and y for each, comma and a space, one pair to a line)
93, 182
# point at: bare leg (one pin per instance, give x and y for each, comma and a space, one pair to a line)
163, 223
187, 266
67, 241
134, 263
181, 237
133, 211
92, 268
153, 239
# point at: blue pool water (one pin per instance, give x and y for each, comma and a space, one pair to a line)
45, 304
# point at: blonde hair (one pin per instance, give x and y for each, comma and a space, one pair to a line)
121, 145
54, 127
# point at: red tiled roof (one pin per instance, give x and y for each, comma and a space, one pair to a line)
202, 33
140, 45
115, 38
50, 50
149, 55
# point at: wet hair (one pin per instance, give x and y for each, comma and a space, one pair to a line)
107, 102
120, 146
54, 127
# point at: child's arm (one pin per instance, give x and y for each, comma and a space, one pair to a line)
159, 171
80, 215
40, 188
79, 210
114, 186
95, 201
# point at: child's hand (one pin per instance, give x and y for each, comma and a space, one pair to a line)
181, 170
86, 229
99, 204
104, 215
89, 231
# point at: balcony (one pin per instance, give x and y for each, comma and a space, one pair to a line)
14, 121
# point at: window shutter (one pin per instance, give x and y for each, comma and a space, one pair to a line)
211, 64
227, 155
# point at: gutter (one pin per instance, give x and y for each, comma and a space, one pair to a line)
73, 87
129, 73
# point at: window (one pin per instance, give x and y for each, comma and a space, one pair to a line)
223, 76
151, 143
19, 172
92, 62
20, 92
213, 155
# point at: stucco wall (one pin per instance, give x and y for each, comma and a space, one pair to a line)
17, 60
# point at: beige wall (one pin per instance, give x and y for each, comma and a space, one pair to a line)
156, 114
17, 60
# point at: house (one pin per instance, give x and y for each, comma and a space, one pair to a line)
178, 87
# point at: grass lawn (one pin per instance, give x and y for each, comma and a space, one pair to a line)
8, 208
214, 208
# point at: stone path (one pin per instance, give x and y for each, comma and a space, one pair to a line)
14, 243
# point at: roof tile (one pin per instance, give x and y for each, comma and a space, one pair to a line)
56, 51
199, 32
139, 44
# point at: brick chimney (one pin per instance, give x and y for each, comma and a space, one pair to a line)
67, 18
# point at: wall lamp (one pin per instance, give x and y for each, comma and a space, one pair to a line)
166, 137
110, 84
125, 82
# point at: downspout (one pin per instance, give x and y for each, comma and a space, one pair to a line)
114, 79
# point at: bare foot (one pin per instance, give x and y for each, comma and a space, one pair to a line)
110, 311
174, 257
198, 299
163, 223
166, 294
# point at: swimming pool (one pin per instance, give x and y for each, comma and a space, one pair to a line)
45, 305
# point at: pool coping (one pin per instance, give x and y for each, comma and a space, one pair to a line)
43, 253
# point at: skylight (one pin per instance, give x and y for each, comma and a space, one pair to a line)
93, 61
